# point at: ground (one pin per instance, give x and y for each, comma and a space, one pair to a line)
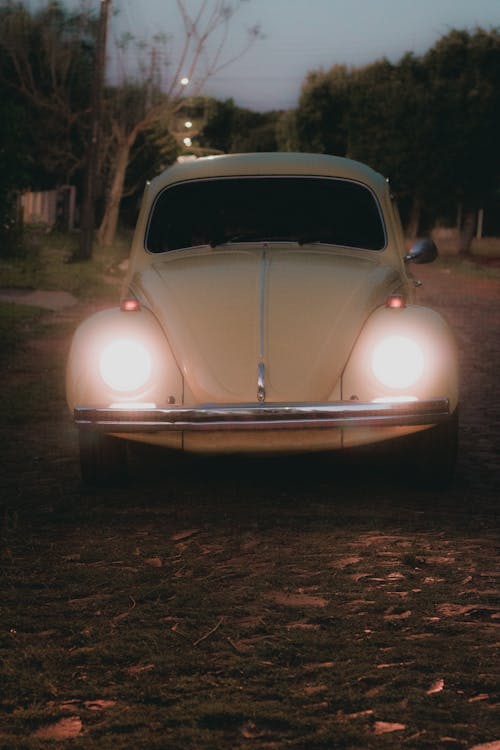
291, 604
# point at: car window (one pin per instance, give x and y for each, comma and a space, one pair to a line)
255, 209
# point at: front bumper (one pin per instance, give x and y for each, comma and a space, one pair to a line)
275, 416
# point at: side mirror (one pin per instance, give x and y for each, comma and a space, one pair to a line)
423, 251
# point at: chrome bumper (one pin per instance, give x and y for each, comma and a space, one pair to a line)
262, 416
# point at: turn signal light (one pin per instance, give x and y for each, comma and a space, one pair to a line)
395, 301
130, 305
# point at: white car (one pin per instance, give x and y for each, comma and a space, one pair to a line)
267, 309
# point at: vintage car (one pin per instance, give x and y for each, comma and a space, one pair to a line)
267, 309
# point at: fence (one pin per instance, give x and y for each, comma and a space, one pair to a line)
50, 207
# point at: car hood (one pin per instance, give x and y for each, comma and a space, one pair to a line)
297, 311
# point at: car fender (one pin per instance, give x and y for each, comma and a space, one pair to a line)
433, 337
84, 383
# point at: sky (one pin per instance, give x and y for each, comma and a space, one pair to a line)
305, 35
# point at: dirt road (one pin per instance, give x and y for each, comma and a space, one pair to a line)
288, 604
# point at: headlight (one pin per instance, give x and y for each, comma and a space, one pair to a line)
397, 362
125, 365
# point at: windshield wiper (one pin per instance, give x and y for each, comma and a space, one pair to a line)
217, 241
314, 239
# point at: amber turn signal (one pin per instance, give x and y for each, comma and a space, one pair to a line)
130, 305
395, 301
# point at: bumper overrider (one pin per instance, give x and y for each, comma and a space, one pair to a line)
270, 416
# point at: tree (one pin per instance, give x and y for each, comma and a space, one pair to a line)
464, 84
320, 123
388, 127
14, 171
45, 68
431, 124
232, 129
150, 100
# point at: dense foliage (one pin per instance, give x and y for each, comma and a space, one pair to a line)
430, 123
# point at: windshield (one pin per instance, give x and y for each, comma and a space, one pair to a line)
257, 209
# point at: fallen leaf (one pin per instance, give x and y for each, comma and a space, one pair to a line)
436, 687
302, 626
319, 665
383, 727
480, 697
184, 535
495, 745
297, 600
64, 729
418, 636
316, 706
66, 705
250, 731
452, 610
251, 621
359, 714
398, 615
344, 562
155, 562
99, 705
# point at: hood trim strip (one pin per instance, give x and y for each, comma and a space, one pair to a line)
261, 370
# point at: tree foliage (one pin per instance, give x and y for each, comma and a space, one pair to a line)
232, 129
46, 60
153, 96
430, 123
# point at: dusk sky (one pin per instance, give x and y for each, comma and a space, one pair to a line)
303, 35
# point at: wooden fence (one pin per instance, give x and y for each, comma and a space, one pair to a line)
49, 207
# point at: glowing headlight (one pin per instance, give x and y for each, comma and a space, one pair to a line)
397, 362
125, 365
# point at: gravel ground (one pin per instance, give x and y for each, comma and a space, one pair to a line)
285, 541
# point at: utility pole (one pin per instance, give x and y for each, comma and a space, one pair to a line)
87, 221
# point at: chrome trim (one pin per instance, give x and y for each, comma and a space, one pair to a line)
261, 385
261, 370
275, 416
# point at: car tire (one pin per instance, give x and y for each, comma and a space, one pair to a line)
103, 458
433, 457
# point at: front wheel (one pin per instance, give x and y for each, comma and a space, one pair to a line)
434, 454
103, 458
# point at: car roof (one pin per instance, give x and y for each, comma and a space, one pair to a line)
272, 163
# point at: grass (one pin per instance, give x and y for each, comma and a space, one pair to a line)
17, 322
44, 265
